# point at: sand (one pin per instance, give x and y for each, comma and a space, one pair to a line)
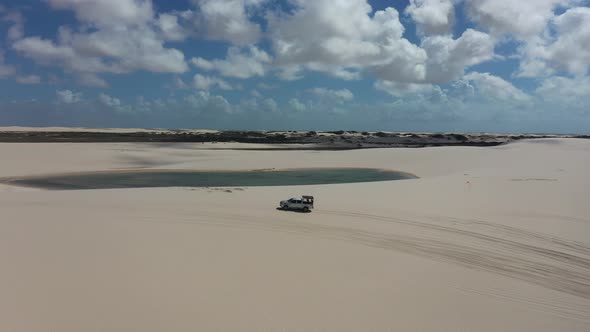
488, 239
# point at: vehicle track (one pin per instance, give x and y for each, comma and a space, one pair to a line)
540, 259
545, 260
537, 258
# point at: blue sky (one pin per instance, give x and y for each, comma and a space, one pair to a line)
405, 65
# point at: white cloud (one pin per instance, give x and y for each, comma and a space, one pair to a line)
125, 36
17, 28
346, 39
496, 88
180, 84
238, 63
520, 19
170, 27
547, 39
115, 37
227, 20
202, 82
28, 79
106, 12
532, 66
269, 105
5, 70
46, 52
341, 95
315, 37
566, 48
432, 16
109, 101
133, 48
68, 96
90, 79
448, 58
296, 105
571, 49
290, 72
565, 90
336, 71
400, 89
266, 86
203, 101
203, 64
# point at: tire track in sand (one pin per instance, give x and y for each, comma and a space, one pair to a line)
541, 259
533, 257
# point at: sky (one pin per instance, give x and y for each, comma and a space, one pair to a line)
392, 65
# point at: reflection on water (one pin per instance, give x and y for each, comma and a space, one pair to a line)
169, 178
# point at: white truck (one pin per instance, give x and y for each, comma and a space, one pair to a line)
303, 203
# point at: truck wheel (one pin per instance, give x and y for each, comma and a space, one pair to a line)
306, 209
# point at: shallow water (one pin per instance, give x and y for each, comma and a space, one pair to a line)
169, 178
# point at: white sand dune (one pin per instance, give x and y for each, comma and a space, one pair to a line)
488, 239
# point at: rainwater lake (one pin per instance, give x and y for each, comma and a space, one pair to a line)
182, 178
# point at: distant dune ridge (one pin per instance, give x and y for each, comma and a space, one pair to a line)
279, 140
487, 239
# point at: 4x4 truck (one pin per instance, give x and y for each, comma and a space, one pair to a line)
303, 203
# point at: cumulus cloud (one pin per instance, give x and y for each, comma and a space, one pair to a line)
90, 79
521, 19
544, 55
238, 63
563, 89
203, 101
432, 16
170, 27
180, 84
5, 69
227, 20
28, 79
547, 31
290, 72
108, 11
269, 105
68, 96
341, 95
124, 37
448, 57
16, 19
129, 35
346, 39
571, 49
296, 105
109, 101
495, 87
342, 73
266, 86
202, 82
316, 37
400, 89
97, 52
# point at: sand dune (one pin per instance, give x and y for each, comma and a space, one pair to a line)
488, 239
